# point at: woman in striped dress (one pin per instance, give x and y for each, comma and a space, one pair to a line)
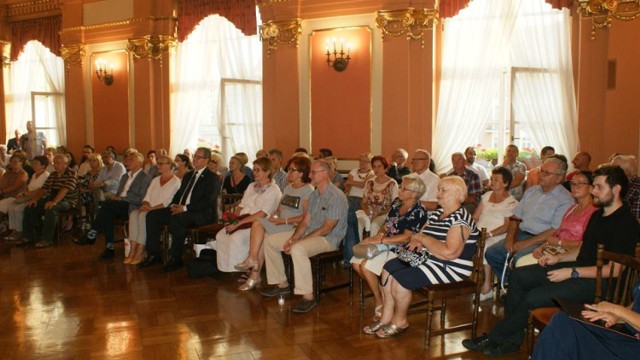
450, 237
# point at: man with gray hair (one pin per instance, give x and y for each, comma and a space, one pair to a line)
397, 166
279, 175
539, 214
420, 165
471, 178
321, 230
628, 163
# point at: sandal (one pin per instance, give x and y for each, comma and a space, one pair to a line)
42, 244
373, 328
390, 330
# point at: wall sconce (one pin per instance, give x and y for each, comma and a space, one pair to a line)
104, 71
339, 62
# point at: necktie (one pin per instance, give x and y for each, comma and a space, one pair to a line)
187, 191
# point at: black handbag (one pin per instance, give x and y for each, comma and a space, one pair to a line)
413, 258
204, 265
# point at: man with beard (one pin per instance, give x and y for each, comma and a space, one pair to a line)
570, 275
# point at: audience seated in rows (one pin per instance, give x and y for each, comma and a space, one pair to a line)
405, 218
570, 275
291, 211
449, 237
539, 214
259, 201
493, 213
321, 230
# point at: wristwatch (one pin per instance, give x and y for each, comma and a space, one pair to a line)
574, 273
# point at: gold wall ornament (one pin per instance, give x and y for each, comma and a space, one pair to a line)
410, 21
151, 46
31, 8
280, 32
72, 55
602, 12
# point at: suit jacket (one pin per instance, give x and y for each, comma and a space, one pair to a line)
12, 144
204, 195
137, 190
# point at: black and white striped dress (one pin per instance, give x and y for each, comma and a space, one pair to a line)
435, 270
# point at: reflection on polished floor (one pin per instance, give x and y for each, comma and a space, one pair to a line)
61, 303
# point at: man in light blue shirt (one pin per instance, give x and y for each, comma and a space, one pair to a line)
539, 213
108, 178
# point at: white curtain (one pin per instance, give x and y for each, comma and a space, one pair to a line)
36, 70
488, 38
215, 50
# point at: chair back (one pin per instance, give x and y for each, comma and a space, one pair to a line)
620, 278
477, 275
230, 202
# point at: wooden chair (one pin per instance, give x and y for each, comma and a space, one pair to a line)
318, 263
472, 285
618, 291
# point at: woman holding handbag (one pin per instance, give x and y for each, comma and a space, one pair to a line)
440, 253
406, 217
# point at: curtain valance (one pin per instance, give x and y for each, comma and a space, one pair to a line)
242, 13
450, 8
45, 30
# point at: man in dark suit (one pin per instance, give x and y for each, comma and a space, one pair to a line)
131, 191
193, 205
14, 143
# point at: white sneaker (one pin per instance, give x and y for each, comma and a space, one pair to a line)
486, 296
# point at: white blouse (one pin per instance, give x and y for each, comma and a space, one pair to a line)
162, 194
37, 181
266, 200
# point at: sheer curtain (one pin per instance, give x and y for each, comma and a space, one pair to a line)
215, 50
475, 50
488, 38
36, 70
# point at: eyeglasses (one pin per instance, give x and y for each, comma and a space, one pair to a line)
547, 173
405, 189
196, 156
293, 170
213, 161
579, 184
163, 163
419, 159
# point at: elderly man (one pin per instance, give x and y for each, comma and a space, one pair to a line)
470, 155
580, 163
569, 276
279, 175
109, 176
14, 143
397, 167
533, 176
420, 164
193, 205
632, 198
321, 230
33, 142
58, 194
131, 191
472, 179
539, 213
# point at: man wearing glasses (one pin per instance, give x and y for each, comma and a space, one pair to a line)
420, 165
321, 230
193, 205
539, 213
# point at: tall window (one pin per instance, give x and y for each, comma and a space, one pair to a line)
216, 90
506, 78
35, 92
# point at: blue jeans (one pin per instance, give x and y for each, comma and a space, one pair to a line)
497, 254
351, 238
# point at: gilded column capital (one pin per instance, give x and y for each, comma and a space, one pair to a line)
410, 22
72, 55
151, 46
602, 12
280, 32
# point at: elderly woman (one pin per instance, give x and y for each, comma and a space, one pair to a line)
159, 194
13, 182
449, 238
236, 181
405, 218
336, 177
493, 213
379, 192
15, 210
86, 194
215, 164
354, 186
183, 165
260, 200
291, 211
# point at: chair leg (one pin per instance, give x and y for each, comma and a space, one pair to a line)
318, 283
530, 337
351, 280
427, 333
476, 310
361, 293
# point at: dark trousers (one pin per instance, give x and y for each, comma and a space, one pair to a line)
109, 212
530, 289
33, 214
178, 226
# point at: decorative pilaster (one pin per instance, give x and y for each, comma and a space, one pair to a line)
72, 55
410, 22
151, 47
602, 12
280, 32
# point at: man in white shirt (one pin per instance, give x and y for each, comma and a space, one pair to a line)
420, 165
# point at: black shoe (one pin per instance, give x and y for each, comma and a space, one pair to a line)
501, 349
149, 261
304, 306
172, 265
85, 240
107, 254
479, 343
275, 291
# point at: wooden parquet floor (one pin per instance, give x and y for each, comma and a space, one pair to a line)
62, 303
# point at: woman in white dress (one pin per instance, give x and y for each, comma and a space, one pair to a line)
259, 201
159, 195
493, 213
